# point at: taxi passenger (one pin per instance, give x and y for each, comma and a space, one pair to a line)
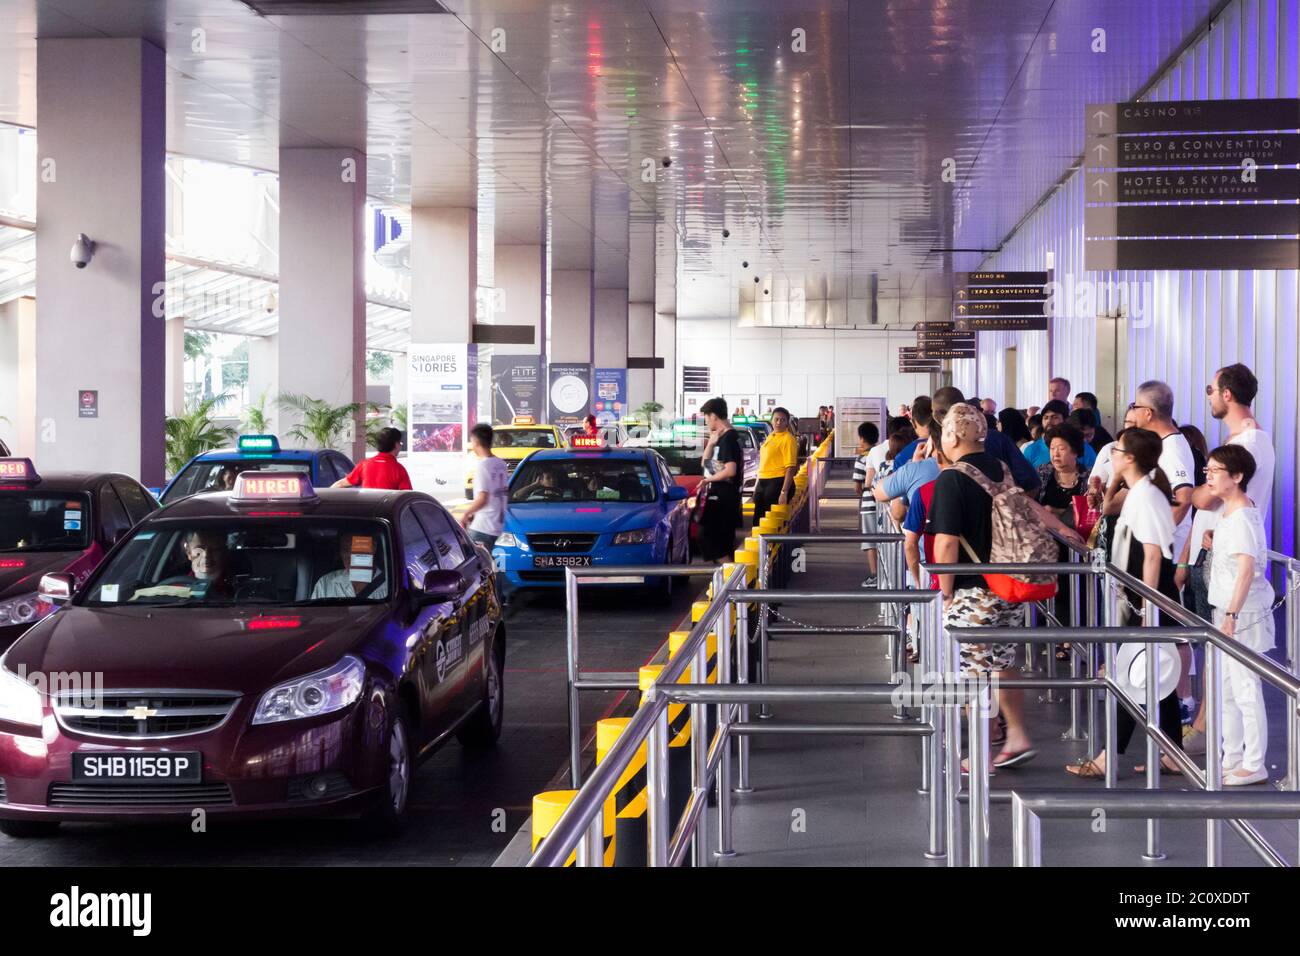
383, 470
778, 460
357, 573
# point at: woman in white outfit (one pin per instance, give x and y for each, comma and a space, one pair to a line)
1242, 602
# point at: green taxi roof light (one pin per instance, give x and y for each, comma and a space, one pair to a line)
259, 443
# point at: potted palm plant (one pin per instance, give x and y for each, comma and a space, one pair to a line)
195, 431
256, 420
320, 424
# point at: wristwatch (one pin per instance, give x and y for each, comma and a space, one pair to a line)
1232, 614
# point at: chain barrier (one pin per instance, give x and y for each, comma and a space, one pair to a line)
1241, 625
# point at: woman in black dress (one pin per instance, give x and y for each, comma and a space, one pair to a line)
1062, 477
722, 512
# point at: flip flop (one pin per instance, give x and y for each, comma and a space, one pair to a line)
1174, 770
1005, 759
1087, 770
965, 768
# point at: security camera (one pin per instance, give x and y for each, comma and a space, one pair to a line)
726, 234
667, 161
757, 279
745, 264
82, 250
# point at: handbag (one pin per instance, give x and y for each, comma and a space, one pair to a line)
1085, 516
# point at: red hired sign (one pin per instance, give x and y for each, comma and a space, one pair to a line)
19, 468
272, 487
587, 441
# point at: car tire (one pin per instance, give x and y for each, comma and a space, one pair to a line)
663, 592
484, 728
389, 814
28, 829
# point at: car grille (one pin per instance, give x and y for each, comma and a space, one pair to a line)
562, 543
124, 713
3, 798
153, 795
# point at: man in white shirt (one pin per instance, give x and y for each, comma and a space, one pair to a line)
1153, 409
485, 518
356, 575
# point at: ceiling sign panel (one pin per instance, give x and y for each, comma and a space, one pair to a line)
911, 360
1195, 184
1001, 301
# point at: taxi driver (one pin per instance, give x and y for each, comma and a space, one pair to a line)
356, 575
210, 574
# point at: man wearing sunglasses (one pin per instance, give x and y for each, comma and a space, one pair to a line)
1153, 410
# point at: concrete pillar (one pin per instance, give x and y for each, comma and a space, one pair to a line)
264, 375
444, 274
641, 303
101, 112
521, 288
572, 315
609, 348
17, 381
322, 285
667, 383
174, 401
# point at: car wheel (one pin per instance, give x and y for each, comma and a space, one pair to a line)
484, 728
663, 592
390, 812
28, 829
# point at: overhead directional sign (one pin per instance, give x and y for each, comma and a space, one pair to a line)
1192, 184
911, 360
1001, 301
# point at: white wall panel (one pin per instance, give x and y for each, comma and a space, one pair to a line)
1197, 321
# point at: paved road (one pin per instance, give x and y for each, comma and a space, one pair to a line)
457, 794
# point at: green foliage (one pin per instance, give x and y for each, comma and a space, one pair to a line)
256, 421
399, 414
195, 432
197, 344
321, 424
647, 411
379, 365
377, 416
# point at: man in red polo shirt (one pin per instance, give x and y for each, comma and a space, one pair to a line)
383, 470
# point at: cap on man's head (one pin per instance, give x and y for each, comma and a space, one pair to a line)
965, 424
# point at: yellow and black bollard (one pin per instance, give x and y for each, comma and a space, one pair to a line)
628, 801
679, 748
549, 805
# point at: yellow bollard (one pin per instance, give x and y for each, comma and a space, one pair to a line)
627, 804
750, 560
679, 749
697, 611
547, 809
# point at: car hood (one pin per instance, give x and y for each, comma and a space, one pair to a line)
191, 648
601, 517
27, 568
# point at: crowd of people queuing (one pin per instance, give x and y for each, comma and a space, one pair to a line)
1187, 521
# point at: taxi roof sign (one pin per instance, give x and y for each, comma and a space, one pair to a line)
18, 469
589, 442
261, 487
523, 420
258, 443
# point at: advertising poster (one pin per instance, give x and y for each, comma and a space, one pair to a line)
439, 414
570, 394
609, 403
517, 388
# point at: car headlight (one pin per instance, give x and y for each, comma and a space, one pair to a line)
24, 609
506, 540
320, 693
20, 702
644, 536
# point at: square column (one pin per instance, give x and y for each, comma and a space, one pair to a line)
521, 290
100, 329
444, 274
666, 379
322, 335
640, 302
573, 315
610, 335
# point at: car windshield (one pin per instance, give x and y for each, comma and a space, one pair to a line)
247, 560
201, 476
523, 438
35, 521
582, 479
682, 459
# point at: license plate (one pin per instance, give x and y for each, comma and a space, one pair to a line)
137, 767
562, 561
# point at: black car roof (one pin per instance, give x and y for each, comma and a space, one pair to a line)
330, 503
67, 481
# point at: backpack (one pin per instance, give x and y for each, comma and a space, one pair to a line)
1019, 537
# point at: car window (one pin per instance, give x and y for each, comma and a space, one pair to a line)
342, 464
327, 471
523, 438
137, 501
203, 476
112, 515
594, 478
30, 521
442, 532
418, 553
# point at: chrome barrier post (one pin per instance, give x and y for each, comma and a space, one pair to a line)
764, 585
1028, 667
1090, 661
1213, 748
1026, 834
742, 666
978, 735
950, 667
660, 827
934, 714
571, 650
1076, 697
1112, 705
723, 780
700, 757
1149, 619
591, 851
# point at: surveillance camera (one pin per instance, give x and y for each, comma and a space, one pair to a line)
667, 161
757, 279
726, 234
82, 251
745, 264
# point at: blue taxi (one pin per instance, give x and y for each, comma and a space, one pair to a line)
217, 470
592, 506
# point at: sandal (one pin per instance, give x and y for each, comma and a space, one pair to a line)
1165, 765
1086, 769
1000, 736
1006, 759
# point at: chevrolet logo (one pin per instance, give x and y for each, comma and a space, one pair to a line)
141, 712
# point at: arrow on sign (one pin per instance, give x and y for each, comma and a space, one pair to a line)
1101, 149
1100, 116
961, 293
961, 308
1100, 185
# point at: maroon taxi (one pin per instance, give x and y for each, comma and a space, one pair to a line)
274, 651
64, 521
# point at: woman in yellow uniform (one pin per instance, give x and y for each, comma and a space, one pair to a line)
778, 459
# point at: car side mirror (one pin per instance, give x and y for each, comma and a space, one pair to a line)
440, 586
55, 588
677, 493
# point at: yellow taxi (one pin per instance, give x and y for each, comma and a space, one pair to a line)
514, 442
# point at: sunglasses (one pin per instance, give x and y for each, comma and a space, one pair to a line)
1135, 405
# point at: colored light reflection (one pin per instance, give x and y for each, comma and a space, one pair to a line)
274, 623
